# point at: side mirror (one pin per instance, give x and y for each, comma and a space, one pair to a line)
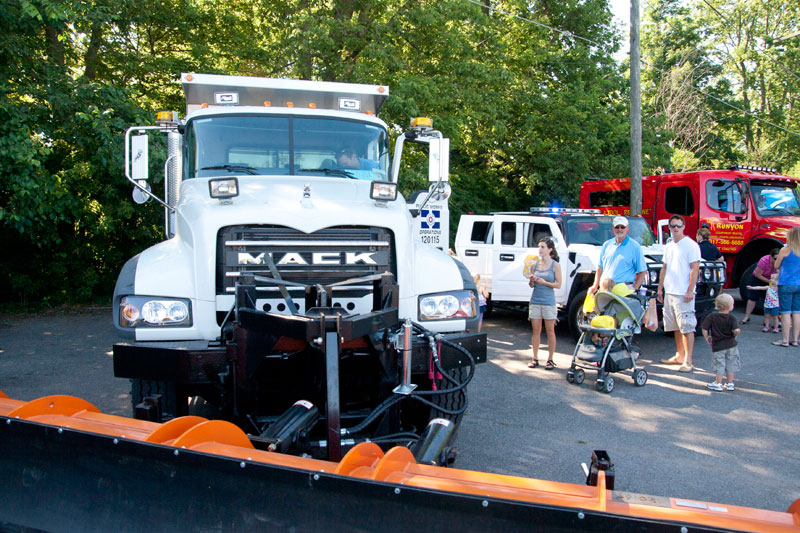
439, 159
440, 193
140, 167
139, 196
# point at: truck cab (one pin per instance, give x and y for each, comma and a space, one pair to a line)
288, 178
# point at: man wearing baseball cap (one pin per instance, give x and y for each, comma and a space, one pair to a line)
621, 259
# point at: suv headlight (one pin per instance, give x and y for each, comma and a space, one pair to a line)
653, 276
448, 305
707, 274
150, 311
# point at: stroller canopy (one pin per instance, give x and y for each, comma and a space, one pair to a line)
608, 303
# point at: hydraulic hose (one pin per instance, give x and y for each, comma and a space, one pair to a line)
418, 395
451, 412
385, 404
458, 386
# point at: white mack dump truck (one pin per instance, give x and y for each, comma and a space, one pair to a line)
294, 293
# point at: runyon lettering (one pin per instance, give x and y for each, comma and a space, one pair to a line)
316, 258
729, 226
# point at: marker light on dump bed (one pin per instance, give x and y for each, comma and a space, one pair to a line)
223, 188
384, 191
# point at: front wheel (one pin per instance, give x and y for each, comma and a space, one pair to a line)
453, 401
580, 375
608, 385
575, 314
640, 377
748, 279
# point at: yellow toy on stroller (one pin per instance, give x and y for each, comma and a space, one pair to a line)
606, 342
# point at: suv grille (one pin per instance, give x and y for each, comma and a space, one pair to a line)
326, 256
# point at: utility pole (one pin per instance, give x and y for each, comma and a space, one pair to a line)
636, 114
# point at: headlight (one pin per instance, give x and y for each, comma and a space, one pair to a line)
384, 191
707, 274
456, 304
148, 311
653, 276
223, 188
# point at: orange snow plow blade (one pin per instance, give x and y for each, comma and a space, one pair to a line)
65, 466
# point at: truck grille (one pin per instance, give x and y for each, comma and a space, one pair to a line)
324, 257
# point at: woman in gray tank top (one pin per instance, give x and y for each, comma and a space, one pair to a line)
545, 278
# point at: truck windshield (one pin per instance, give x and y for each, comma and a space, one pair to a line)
285, 145
597, 230
776, 198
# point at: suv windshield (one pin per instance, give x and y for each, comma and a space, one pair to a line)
773, 198
597, 229
285, 145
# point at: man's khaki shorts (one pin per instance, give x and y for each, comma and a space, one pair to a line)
679, 315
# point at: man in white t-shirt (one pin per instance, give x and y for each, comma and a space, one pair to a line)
676, 286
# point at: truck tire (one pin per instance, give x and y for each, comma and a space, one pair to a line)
173, 404
575, 313
701, 315
744, 293
453, 401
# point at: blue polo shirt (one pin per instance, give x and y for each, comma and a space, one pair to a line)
621, 262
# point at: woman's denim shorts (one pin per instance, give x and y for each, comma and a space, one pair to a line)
789, 298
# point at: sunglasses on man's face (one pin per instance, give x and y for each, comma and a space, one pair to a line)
620, 227
675, 226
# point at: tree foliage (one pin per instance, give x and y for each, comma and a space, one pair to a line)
734, 64
530, 112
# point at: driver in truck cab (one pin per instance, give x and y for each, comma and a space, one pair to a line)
346, 158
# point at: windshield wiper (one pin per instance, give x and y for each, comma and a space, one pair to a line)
233, 168
330, 171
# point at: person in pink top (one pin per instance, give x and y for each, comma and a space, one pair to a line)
764, 269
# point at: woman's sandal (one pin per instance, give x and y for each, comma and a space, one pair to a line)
533, 364
746, 321
794, 343
781, 343
550, 365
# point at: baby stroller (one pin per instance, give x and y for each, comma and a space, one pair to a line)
606, 342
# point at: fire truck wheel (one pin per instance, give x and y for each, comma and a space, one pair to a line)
747, 279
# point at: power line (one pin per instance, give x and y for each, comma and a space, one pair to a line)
537, 23
599, 45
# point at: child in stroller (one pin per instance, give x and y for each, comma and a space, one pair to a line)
606, 342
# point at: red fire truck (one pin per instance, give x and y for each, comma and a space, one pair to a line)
747, 209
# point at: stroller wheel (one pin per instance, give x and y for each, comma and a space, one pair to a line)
570, 376
580, 375
598, 385
640, 377
608, 385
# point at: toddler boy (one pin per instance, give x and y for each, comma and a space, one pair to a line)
720, 330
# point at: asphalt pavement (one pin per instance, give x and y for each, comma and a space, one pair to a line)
672, 437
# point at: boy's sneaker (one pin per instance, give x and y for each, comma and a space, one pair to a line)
714, 386
729, 386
